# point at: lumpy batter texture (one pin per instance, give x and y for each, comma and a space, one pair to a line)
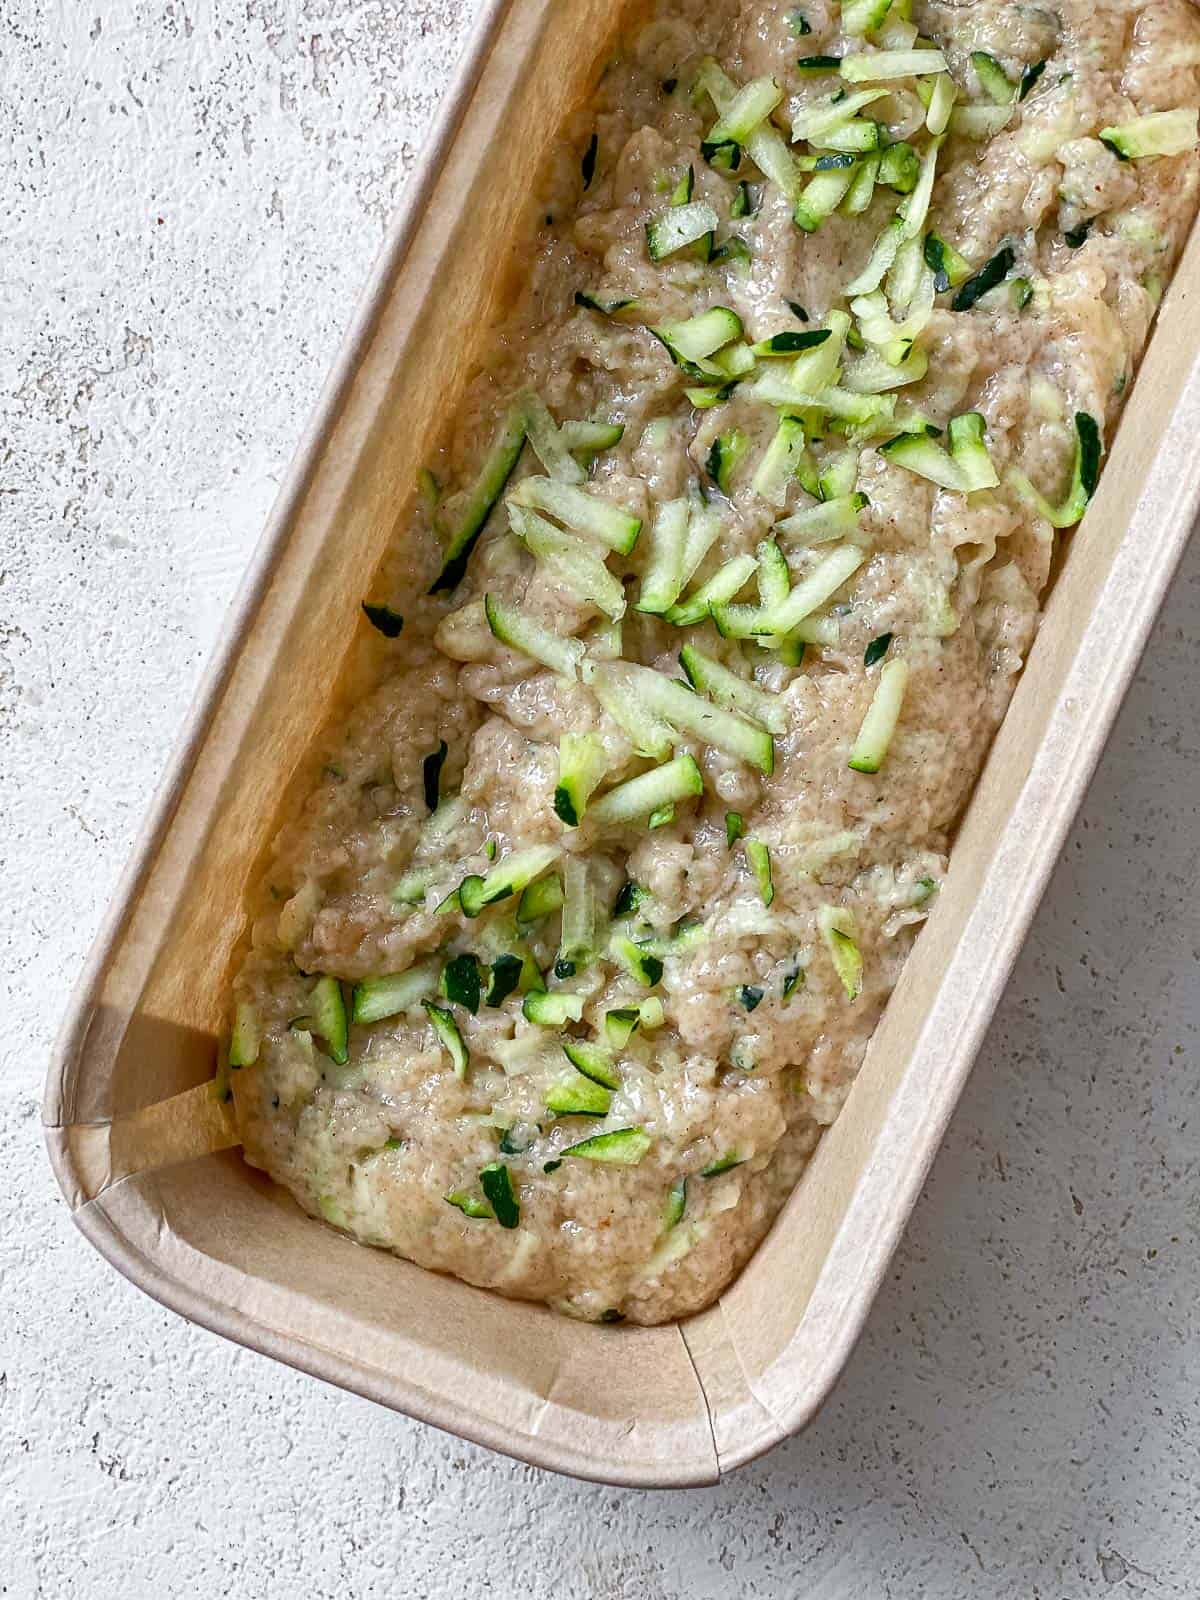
598, 1089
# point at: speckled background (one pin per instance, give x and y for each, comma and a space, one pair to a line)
192, 193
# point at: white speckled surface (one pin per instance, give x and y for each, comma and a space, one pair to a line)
191, 196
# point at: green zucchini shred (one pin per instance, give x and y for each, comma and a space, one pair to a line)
877, 649
506, 976
690, 343
1159, 133
791, 342
822, 195
582, 763
578, 1096
675, 1206
489, 486
646, 968
496, 1183
743, 203
579, 914
510, 875
733, 693
1029, 79
989, 275
386, 621
759, 858
637, 797
444, 1025
329, 1021
993, 79
461, 983
588, 164
620, 1025
541, 899
725, 1163
1085, 473
684, 189
899, 167
522, 633
724, 456
245, 1038
552, 1009
749, 108
375, 999
837, 930
571, 562
622, 1022
879, 724
724, 584
607, 308
594, 1061
683, 225
580, 510
949, 268
620, 1147
663, 577
431, 774
630, 896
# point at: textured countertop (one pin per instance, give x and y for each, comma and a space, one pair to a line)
192, 194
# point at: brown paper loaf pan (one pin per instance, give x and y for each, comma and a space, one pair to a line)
141, 1148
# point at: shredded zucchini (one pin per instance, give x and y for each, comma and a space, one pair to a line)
638, 797
1161, 133
582, 763
622, 1147
489, 486
1085, 473
376, 998
680, 226
879, 724
581, 511
528, 637
569, 561
759, 857
836, 926
880, 66
246, 1038
663, 578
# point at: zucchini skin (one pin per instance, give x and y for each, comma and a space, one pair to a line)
623, 1147
383, 619
431, 774
490, 485
1029, 79
989, 275
329, 1018
506, 975
588, 165
496, 1182
446, 1029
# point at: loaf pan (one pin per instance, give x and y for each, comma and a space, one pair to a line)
144, 1152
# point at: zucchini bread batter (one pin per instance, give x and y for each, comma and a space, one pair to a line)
696, 638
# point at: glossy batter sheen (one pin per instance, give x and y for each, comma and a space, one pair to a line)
762, 1034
